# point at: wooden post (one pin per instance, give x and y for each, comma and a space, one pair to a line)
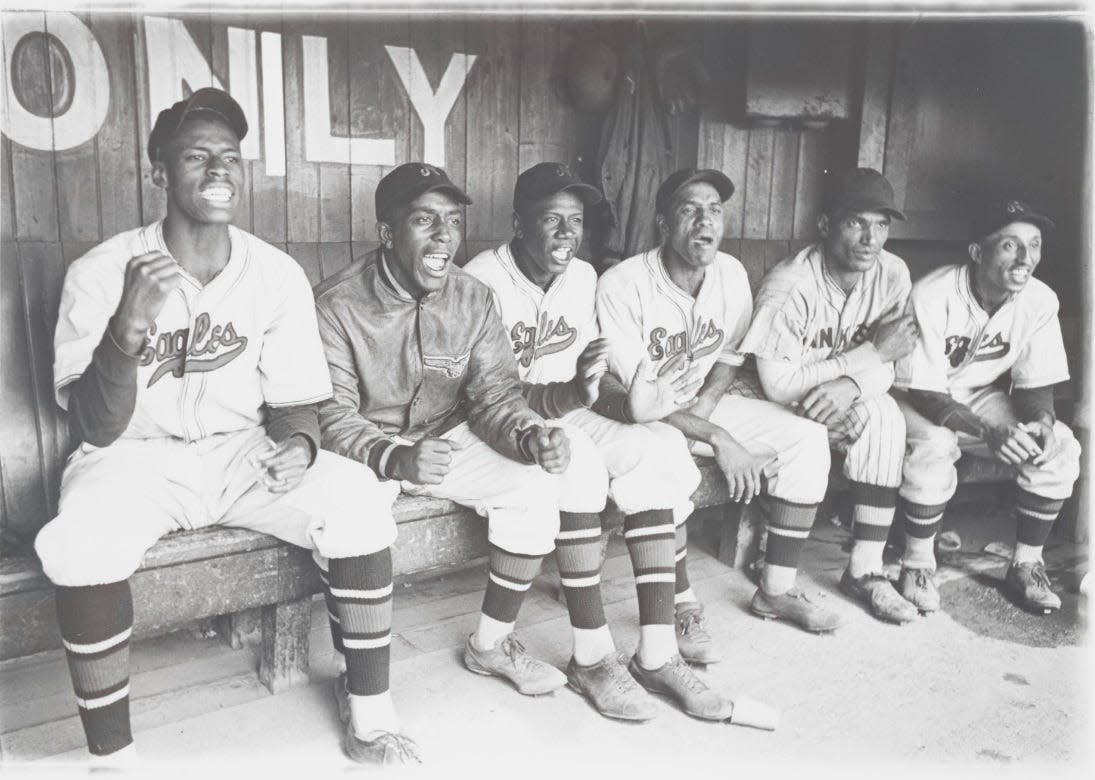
741, 530
285, 627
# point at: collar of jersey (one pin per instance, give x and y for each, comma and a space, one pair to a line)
965, 290
390, 283
232, 270
816, 258
655, 260
509, 263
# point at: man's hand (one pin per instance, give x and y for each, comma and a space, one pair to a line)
743, 468
426, 462
592, 365
550, 448
281, 466
1012, 444
657, 394
830, 401
1044, 437
149, 279
895, 337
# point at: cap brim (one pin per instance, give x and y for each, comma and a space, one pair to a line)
871, 205
1038, 220
589, 195
717, 179
458, 194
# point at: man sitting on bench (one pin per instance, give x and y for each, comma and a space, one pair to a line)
188, 359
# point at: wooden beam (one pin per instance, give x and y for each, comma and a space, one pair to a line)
878, 75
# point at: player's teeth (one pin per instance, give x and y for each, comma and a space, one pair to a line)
218, 194
436, 262
562, 253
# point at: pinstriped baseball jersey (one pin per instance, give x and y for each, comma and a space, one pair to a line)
641, 310
216, 353
963, 349
548, 329
803, 316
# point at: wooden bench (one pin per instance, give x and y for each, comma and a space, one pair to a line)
251, 578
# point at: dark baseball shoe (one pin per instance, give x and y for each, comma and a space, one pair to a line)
917, 587
693, 641
612, 690
1028, 584
795, 607
879, 595
677, 680
384, 748
509, 660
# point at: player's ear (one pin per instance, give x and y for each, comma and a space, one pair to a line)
823, 226
159, 175
518, 230
975, 252
663, 226
384, 233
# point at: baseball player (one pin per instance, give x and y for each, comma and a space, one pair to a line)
983, 323
546, 297
828, 324
686, 297
426, 394
188, 359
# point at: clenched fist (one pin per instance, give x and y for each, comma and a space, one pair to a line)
550, 449
426, 462
592, 365
149, 279
894, 338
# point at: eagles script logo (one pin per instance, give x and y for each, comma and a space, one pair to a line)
545, 338
182, 352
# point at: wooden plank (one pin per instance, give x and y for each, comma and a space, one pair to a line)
902, 120
268, 194
33, 171
758, 182
219, 64
307, 255
283, 661
877, 76
333, 257
119, 148
153, 199
334, 178
781, 212
542, 133
809, 188
77, 169
494, 105
753, 256
301, 176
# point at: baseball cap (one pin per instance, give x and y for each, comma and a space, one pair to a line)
548, 178
997, 214
678, 180
862, 189
409, 180
207, 101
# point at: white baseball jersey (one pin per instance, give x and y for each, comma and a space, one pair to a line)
963, 349
216, 353
803, 316
548, 329
641, 310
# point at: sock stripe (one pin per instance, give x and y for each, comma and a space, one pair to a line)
873, 495
652, 532
791, 533
923, 513
98, 648
368, 595
784, 551
505, 582
104, 698
579, 536
643, 579
366, 644
580, 582
359, 604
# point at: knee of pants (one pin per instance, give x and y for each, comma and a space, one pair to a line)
664, 476
351, 507
583, 487
928, 475
877, 456
75, 552
1055, 478
528, 530
804, 466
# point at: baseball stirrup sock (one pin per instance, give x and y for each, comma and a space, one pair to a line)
1036, 516
789, 527
650, 543
361, 590
578, 553
96, 622
873, 509
922, 523
682, 589
511, 575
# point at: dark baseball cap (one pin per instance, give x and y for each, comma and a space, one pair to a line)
862, 189
678, 180
997, 214
548, 178
207, 101
406, 182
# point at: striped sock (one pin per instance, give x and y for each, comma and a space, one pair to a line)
511, 575
1036, 516
789, 527
682, 591
578, 552
96, 622
361, 590
922, 522
872, 512
650, 538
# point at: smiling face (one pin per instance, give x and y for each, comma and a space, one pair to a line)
202, 170
692, 227
422, 239
549, 232
853, 242
1005, 260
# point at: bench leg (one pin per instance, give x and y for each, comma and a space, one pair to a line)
740, 536
285, 628
241, 629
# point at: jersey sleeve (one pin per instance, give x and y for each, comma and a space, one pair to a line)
925, 368
292, 366
1043, 361
776, 333
620, 321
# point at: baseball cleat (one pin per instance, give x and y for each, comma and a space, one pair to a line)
677, 680
611, 688
384, 748
879, 595
509, 660
1028, 584
693, 641
796, 607
918, 588
342, 696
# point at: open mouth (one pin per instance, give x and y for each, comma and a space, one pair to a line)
562, 254
1019, 275
217, 194
435, 262
703, 240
